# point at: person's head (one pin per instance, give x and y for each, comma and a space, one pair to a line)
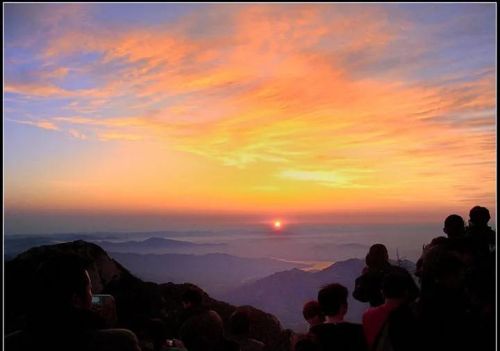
377, 256
63, 282
398, 285
479, 216
454, 226
333, 300
192, 298
312, 313
239, 322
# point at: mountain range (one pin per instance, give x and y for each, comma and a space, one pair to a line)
202, 270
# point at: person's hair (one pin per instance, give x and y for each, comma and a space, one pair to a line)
331, 298
377, 256
479, 215
58, 279
397, 284
311, 309
193, 296
454, 225
239, 322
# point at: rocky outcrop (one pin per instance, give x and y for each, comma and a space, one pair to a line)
137, 301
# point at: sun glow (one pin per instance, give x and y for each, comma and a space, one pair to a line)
277, 225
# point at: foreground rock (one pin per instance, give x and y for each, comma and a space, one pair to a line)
137, 301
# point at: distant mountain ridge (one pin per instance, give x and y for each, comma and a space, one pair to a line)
203, 270
15, 244
152, 245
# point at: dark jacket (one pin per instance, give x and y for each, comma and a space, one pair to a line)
339, 336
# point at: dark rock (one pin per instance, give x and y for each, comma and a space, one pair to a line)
137, 302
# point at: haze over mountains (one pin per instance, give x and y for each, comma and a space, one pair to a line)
216, 272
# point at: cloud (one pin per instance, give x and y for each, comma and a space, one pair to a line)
37, 89
334, 179
119, 136
311, 94
76, 134
43, 124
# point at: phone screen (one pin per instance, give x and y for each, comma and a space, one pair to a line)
96, 300
105, 306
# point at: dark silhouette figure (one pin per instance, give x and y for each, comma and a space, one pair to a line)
312, 313
368, 286
335, 333
60, 315
239, 327
480, 236
444, 317
392, 326
480, 280
202, 329
454, 226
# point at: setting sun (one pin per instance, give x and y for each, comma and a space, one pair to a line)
277, 225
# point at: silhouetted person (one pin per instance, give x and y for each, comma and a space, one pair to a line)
368, 286
438, 241
60, 315
239, 327
481, 239
312, 313
335, 333
479, 235
203, 328
444, 305
454, 226
392, 325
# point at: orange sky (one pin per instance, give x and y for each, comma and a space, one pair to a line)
250, 108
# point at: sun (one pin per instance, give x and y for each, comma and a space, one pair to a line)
277, 224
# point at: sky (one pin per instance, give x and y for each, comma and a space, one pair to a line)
361, 110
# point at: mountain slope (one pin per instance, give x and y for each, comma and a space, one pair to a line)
202, 270
284, 293
136, 301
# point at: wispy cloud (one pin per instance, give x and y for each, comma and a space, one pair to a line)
43, 124
76, 134
329, 178
119, 136
310, 94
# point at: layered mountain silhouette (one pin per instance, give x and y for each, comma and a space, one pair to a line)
155, 244
137, 301
284, 293
202, 270
15, 244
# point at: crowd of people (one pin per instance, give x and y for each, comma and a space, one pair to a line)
448, 303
